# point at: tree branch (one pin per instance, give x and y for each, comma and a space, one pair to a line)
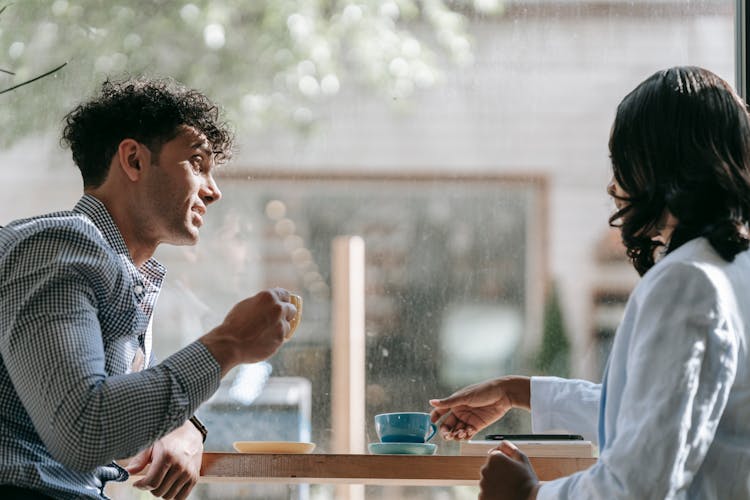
2, 9
34, 79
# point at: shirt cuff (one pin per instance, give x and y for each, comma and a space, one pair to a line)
197, 372
542, 403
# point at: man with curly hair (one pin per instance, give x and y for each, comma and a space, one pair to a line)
78, 385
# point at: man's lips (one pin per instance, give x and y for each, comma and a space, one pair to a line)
198, 213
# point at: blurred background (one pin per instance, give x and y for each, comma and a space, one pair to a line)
465, 141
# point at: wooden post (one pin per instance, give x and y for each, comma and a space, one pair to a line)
348, 352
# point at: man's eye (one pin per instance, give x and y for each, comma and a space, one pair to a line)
197, 163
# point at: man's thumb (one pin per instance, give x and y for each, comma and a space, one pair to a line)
139, 462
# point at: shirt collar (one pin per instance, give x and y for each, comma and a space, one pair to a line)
660, 252
95, 210
684, 249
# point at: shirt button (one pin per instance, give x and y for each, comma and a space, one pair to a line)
138, 289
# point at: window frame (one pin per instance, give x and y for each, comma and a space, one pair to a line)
742, 52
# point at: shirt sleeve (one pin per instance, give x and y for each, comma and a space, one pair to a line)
563, 404
680, 366
51, 345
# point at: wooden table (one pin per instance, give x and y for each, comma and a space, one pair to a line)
367, 469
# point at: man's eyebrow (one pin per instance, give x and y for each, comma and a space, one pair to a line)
203, 146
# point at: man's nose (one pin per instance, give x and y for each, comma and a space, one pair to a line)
210, 191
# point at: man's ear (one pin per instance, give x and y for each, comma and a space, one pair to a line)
131, 156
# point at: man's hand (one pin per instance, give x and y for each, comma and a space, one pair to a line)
253, 330
175, 463
473, 408
507, 475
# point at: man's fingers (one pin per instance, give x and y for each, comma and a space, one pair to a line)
174, 475
139, 462
155, 475
185, 491
281, 293
176, 486
290, 313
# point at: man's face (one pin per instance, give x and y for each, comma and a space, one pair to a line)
179, 186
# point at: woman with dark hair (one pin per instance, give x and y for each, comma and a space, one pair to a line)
679, 148
672, 415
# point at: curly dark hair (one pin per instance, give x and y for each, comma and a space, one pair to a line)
681, 142
148, 111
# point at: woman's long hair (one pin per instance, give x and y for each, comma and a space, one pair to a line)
681, 142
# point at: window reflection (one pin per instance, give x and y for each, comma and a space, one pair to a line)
446, 262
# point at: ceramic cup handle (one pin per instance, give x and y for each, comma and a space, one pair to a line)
434, 430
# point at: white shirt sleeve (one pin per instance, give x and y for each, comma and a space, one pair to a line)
680, 363
562, 404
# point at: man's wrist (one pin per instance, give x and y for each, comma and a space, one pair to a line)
222, 347
199, 425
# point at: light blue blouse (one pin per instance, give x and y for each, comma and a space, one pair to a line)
677, 413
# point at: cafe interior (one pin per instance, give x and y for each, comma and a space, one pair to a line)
428, 175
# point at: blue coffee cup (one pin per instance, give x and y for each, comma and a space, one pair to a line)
404, 427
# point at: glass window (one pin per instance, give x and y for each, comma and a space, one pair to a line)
464, 141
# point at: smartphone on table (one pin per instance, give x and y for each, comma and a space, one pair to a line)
533, 437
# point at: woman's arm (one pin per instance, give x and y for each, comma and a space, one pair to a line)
680, 365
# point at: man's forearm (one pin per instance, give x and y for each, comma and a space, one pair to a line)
222, 348
122, 414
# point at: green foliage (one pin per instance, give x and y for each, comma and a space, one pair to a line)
267, 61
553, 357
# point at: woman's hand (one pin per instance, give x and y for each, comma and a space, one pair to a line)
473, 408
508, 475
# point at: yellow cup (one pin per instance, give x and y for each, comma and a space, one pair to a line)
297, 301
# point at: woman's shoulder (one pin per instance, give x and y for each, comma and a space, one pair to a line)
695, 274
694, 258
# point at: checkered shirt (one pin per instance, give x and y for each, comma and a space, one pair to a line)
74, 312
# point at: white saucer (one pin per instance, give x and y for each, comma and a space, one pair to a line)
273, 447
402, 448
